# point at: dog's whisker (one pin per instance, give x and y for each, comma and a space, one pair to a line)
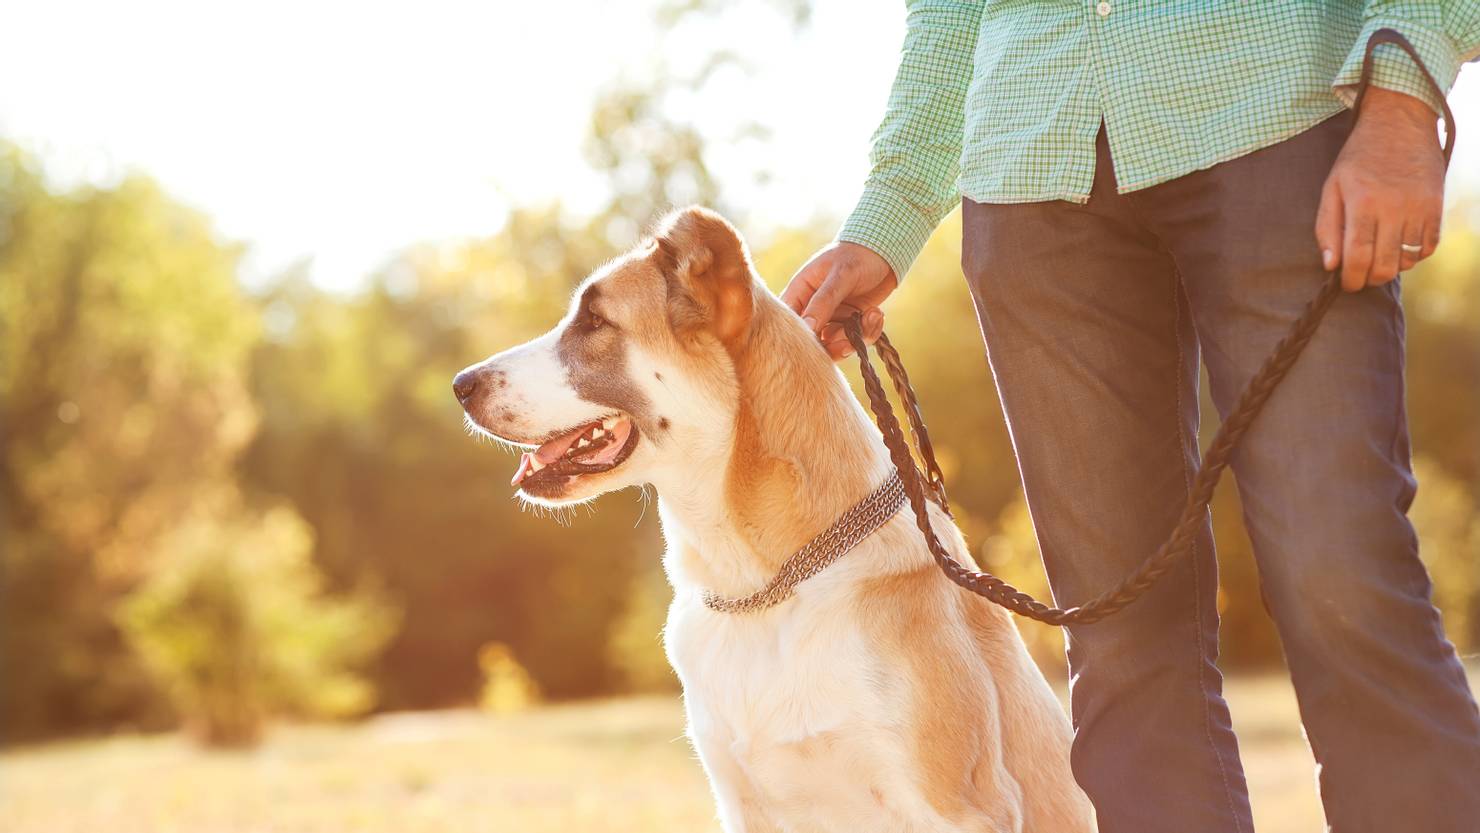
646, 498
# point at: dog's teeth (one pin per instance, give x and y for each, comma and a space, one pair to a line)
536, 465
582, 442
609, 423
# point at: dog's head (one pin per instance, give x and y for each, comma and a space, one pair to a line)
638, 376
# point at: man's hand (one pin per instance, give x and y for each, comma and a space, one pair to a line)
837, 281
1385, 191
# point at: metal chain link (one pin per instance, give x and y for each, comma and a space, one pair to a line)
861, 520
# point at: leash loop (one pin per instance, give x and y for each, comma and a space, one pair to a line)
920, 488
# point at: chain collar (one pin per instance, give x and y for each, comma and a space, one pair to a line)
854, 525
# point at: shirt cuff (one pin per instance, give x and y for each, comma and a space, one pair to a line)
1392, 69
892, 226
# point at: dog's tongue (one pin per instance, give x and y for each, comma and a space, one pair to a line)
545, 454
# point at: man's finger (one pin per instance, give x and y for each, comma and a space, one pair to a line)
1328, 225
1359, 233
837, 345
1431, 228
1412, 236
834, 340
824, 302
799, 289
1387, 251
873, 325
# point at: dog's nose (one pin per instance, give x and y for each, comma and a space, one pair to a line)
465, 385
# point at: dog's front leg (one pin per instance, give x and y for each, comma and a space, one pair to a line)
744, 814
741, 808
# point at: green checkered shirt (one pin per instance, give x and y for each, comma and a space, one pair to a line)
1000, 101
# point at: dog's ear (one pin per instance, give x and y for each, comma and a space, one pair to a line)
708, 272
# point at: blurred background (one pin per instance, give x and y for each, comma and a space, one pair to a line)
255, 574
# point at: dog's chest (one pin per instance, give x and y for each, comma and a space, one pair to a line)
793, 711
773, 678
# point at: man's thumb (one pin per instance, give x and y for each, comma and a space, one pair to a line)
800, 288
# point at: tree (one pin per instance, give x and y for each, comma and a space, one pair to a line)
235, 624
123, 340
124, 348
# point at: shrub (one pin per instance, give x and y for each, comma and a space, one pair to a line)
635, 643
235, 625
507, 686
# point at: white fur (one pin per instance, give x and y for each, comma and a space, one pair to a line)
538, 400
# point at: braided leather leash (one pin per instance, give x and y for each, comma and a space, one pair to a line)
920, 486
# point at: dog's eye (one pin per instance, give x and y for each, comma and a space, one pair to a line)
594, 321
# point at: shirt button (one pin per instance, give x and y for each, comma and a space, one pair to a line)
1103, 8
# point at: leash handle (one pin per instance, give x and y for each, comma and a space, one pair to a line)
935, 481
922, 486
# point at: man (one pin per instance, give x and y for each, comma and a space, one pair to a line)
1141, 179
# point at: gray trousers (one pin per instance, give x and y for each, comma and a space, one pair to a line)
1095, 318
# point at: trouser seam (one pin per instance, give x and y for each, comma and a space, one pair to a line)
1400, 416
1178, 291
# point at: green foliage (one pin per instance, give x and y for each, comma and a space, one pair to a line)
151, 406
235, 623
1442, 303
126, 340
1446, 515
635, 646
1012, 550
507, 686
123, 339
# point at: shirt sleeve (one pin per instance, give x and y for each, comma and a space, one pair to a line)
917, 148
1445, 33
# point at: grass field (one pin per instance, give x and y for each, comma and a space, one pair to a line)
614, 765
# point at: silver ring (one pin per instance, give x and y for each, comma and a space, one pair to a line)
1411, 248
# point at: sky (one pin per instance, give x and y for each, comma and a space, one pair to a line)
338, 134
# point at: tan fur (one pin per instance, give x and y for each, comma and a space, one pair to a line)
702, 252
786, 391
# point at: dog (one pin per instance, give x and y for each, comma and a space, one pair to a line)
879, 696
